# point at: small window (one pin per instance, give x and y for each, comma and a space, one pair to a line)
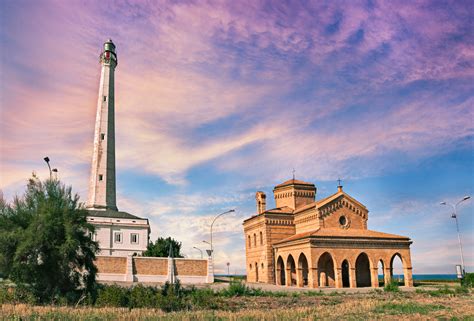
255, 240
105, 98
261, 238
101, 177
250, 242
134, 238
92, 236
118, 237
102, 136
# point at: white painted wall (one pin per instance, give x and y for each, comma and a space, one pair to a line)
105, 228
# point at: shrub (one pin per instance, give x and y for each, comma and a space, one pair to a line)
391, 287
172, 297
143, 297
236, 288
468, 280
204, 298
112, 295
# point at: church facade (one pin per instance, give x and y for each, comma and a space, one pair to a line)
325, 243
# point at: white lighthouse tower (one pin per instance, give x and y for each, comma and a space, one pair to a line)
102, 180
118, 233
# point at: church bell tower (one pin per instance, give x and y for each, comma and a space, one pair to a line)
102, 180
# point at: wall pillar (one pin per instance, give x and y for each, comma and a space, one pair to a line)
387, 275
313, 278
352, 277
210, 274
375, 277
288, 277
338, 277
129, 270
171, 277
299, 277
408, 276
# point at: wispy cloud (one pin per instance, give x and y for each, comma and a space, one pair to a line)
246, 90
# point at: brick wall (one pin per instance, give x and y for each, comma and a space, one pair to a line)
190, 267
111, 264
150, 266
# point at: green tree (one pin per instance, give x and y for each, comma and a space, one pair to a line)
161, 248
44, 244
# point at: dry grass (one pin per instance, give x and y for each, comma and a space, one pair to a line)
371, 306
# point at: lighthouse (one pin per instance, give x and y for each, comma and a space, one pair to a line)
117, 232
102, 194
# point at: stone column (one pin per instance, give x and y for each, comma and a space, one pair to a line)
299, 277
288, 277
407, 273
387, 275
375, 277
338, 277
352, 277
313, 278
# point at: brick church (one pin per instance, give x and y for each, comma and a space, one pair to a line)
325, 243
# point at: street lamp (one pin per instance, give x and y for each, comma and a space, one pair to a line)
455, 216
46, 159
198, 250
212, 224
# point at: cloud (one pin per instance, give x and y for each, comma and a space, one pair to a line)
246, 90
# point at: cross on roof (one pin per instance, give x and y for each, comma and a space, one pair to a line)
339, 181
293, 174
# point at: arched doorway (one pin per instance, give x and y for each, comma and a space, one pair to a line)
280, 271
256, 272
303, 270
363, 271
396, 269
381, 273
291, 268
345, 274
326, 270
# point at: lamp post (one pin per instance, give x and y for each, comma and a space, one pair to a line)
194, 247
455, 216
212, 224
46, 159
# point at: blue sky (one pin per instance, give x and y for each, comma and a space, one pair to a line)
216, 100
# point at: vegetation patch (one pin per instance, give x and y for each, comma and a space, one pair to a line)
407, 308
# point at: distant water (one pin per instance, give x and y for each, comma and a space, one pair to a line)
422, 277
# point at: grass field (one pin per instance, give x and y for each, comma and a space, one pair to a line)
443, 302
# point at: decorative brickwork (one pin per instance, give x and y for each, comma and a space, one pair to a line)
111, 264
325, 243
190, 267
153, 269
150, 266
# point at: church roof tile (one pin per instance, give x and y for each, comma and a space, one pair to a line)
342, 233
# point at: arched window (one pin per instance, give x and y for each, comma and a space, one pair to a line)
261, 238
254, 239
250, 242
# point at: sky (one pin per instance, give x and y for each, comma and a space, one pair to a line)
218, 99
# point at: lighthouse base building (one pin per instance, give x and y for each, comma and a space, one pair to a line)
308, 243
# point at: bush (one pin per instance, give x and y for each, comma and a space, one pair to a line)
204, 298
468, 280
143, 297
112, 295
172, 297
391, 287
237, 288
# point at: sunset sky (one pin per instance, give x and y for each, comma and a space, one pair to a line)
216, 100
